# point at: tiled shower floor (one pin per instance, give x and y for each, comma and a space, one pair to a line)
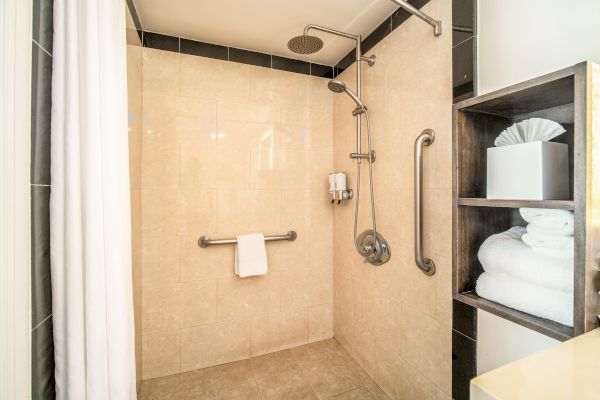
317, 371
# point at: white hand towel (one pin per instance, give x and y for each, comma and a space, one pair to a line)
555, 245
558, 222
251, 255
546, 303
506, 253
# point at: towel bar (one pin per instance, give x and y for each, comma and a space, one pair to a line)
205, 241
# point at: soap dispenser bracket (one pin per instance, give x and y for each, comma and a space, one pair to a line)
346, 195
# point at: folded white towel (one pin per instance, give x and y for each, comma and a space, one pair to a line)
251, 255
506, 253
554, 245
549, 221
537, 228
546, 303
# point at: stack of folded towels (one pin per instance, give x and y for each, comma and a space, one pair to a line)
531, 269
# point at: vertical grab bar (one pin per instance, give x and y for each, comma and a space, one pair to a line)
426, 138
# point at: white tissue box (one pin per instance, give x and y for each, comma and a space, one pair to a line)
528, 171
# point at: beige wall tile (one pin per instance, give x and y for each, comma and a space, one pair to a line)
161, 71
160, 353
135, 111
320, 322
198, 302
180, 118
218, 154
399, 380
387, 316
214, 79
198, 169
203, 263
178, 305
213, 344
159, 212
160, 164
306, 286
247, 297
160, 307
274, 332
229, 111
246, 211
247, 134
196, 211
160, 259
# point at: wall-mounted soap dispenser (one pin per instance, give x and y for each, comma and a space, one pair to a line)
338, 187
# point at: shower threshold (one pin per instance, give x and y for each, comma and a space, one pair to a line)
321, 370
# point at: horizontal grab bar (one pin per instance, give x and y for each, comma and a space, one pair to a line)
206, 241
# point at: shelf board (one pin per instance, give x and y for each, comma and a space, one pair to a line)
549, 328
479, 202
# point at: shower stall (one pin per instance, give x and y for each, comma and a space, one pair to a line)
230, 148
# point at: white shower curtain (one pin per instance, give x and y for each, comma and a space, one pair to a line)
90, 233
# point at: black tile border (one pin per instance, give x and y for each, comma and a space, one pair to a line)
250, 57
383, 30
464, 365
160, 41
203, 49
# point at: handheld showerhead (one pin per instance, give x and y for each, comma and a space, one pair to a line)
337, 86
305, 44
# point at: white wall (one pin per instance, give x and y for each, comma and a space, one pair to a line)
519, 40
522, 39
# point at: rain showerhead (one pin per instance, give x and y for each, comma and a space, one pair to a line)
338, 87
305, 44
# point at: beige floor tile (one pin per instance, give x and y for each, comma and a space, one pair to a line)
247, 390
186, 386
326, 350
144, 392
355, 394
320, 370
290, 385
274, 363
226, 375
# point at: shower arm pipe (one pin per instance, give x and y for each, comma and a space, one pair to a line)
359, 58
437, 25
329, 30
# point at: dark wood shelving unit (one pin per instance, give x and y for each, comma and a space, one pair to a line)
545, 326
569, 97
557, 204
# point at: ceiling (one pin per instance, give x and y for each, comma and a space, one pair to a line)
265, 25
